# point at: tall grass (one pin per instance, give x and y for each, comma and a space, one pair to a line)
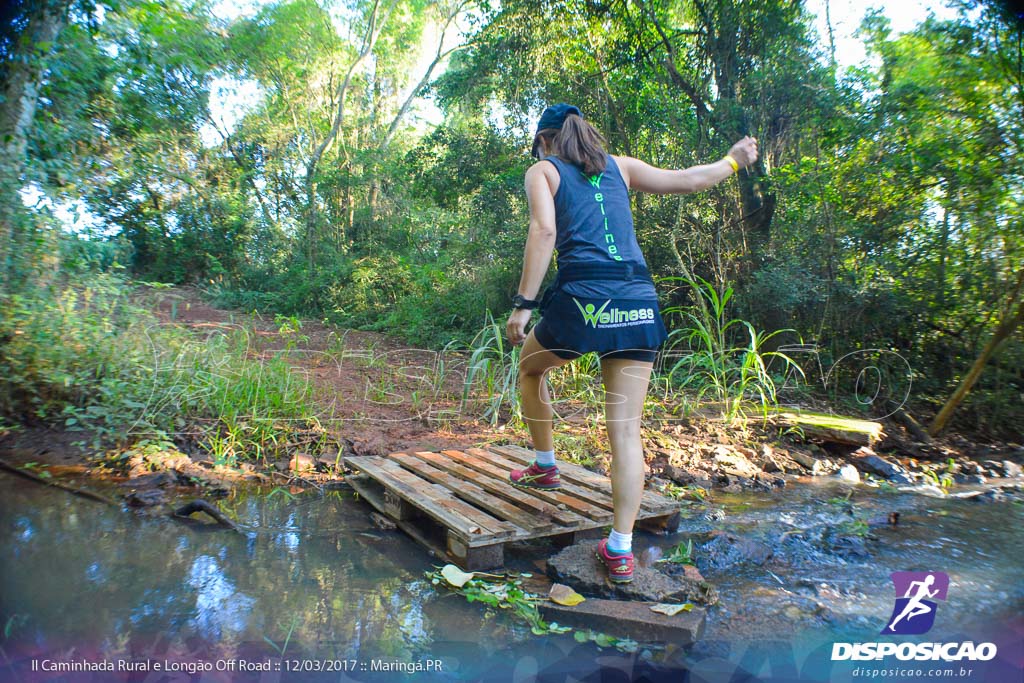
722, 358
89, 358
492, 374
714, 358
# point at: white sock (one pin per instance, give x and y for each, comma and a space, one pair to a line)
545, 458
620, 544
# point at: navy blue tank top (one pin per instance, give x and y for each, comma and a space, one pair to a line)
594, 224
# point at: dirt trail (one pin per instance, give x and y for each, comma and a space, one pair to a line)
373, 392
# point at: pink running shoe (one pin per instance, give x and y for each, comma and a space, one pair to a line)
536, 477
620, 567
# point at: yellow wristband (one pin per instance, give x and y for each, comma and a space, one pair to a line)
732, 162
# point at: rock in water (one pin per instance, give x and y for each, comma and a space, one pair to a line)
734, 463
880, 466
849, 473
816, 466
146, 498
578, 566
301, 462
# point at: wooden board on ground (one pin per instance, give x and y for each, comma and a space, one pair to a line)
461, 505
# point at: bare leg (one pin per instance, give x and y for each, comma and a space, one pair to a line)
625, 383
534, 363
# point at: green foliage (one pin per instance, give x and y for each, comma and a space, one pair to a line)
732, 374
942, 480
79, 351
854, 527
90, 357
503, 591
492, 375
885, 213
687, 492
681, 554
506, 592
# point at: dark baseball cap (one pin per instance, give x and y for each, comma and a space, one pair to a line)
554, 116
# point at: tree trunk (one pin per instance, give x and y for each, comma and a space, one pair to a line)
727, 115
373, 29
439, 55
18, 108
1011, 320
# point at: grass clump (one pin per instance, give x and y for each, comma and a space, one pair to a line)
722, 358
87, 356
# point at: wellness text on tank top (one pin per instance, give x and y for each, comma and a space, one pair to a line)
594, 224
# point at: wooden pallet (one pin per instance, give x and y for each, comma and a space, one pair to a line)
461, 505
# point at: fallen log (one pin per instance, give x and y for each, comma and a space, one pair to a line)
913, 426
832, 428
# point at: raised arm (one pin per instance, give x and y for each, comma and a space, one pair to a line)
646, 178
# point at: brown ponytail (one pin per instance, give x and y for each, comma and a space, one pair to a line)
579, 143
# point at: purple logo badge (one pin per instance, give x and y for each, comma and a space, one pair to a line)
916, 592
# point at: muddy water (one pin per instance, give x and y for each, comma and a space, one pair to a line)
311, 583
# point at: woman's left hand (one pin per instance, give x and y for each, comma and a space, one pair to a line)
516, 326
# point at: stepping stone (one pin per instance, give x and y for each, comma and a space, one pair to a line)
628, 619
577, 566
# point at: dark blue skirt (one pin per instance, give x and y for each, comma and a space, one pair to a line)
584, 324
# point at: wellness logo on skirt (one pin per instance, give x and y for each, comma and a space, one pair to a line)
604, 317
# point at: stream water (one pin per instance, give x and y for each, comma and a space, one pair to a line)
312, 583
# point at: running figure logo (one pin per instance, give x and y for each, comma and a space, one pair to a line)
914, 612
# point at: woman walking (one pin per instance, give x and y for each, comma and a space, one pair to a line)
602, 298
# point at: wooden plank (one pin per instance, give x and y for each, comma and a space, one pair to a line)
600, 495
577, 474
397, 507
527, 524
501, 488
599, 498
555, 496
469, 558
477, 528
651, 501
667, 524
495, 529
363, 485
628, 619
497, 471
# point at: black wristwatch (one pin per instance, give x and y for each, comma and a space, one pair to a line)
520, 301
